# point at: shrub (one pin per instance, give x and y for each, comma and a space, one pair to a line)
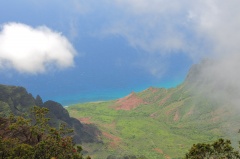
32, 137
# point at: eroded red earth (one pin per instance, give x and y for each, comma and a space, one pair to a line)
129, 102
85, 120
114, 140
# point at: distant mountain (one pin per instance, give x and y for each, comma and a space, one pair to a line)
162, 123
17, 100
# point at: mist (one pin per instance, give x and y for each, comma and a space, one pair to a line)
218, 79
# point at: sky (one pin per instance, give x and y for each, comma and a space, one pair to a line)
87, 50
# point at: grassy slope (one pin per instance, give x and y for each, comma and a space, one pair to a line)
165, 124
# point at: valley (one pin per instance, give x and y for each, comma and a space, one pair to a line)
157, 123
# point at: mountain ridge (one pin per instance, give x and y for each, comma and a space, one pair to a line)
16, 100
155, 123
159, 122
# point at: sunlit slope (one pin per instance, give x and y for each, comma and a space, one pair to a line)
157, 123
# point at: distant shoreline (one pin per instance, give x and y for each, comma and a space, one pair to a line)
99, 97
65, 106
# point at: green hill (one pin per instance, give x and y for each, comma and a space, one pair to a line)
159, 123
155, 123
17, 100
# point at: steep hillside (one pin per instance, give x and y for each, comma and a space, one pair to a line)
17, 100
160, 123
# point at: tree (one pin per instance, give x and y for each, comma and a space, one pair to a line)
25, 138
220, 149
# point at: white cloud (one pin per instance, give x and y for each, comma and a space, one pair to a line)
199, 28
218, 80
219, 22
158, 26
169, 24
33, 50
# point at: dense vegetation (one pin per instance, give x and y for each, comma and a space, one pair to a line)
220, 149
32, 137
17, 100
158, 122
165, 124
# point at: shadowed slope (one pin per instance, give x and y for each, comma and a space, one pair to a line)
17, 100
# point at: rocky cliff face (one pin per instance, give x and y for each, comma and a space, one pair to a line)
17, 100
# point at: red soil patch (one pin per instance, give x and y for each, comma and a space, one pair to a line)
85, 120
153, 115
170, 111
164, 99
114, 139
161, 152
176, 116
190, 112
129, 102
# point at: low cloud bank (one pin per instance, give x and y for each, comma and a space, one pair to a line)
198, 29
217, 79
34, 50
